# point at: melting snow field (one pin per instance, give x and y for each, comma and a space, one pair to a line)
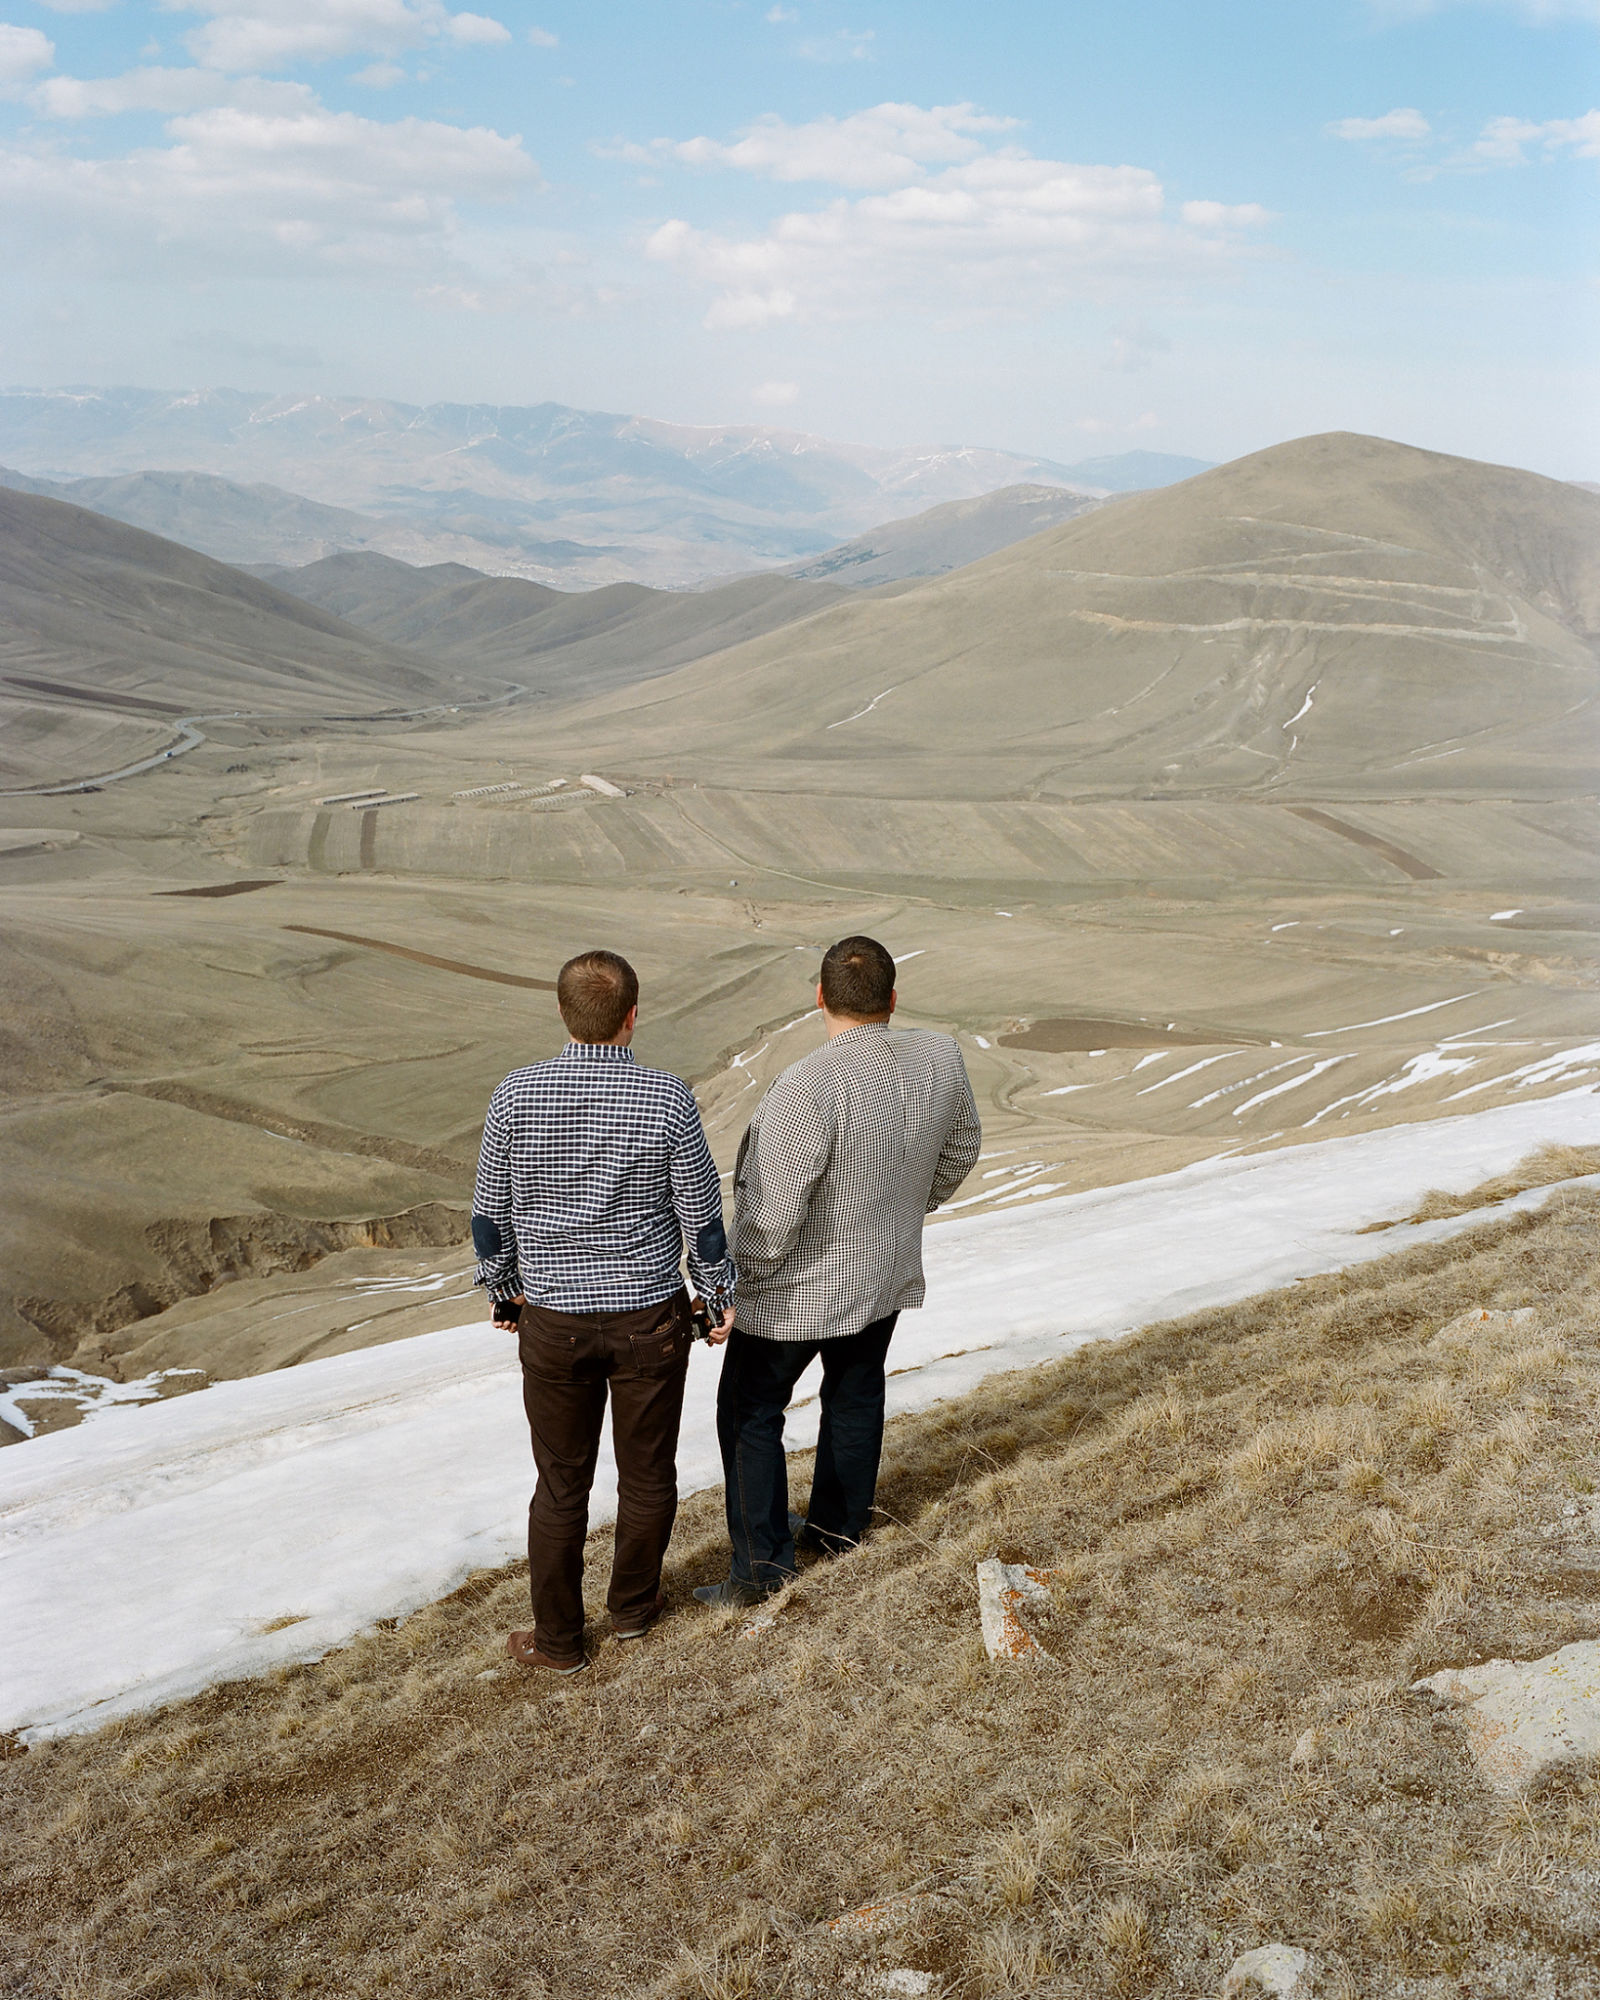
155, 1551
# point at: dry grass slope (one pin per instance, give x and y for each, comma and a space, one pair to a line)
1265, 1520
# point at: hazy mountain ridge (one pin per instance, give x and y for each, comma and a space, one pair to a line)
505, 487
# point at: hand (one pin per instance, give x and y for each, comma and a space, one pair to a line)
508, 1325
717, 1334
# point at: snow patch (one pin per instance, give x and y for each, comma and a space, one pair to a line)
362, 1486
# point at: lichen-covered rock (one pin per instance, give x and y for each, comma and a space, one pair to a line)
1529, 1720
1004, 1590
1282, 1971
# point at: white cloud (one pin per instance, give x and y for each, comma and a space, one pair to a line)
266, 34
994, 232
1223, 215
1505, 141
884, 147
779, 14
163, 90
775, 395
23, 53
1402, 123
542, 38
842, 46
380, 76
77, 6
482, 29
264, 190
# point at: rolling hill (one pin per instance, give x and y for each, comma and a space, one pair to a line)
945, 538
108, 635
1337, 614
565, 643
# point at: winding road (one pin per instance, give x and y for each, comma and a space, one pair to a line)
190, 736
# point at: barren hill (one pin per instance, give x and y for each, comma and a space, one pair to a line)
110, 634
945, 538
1338, 613
564, 642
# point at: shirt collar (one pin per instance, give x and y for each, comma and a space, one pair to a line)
597, 1052
862, 1028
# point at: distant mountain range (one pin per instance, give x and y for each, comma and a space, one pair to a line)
570, 497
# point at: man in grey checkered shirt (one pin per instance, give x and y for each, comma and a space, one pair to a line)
847, 1153
593, 1180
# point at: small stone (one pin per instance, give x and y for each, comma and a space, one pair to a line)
763, 1621
900, 1979
488, 1674
650, 1729
1528, 1720
1469, 1327
1571, 1510
1003, 1590
877, 1919
1307, 1753
1282, 1971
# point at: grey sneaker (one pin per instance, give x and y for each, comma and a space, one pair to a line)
729, 1591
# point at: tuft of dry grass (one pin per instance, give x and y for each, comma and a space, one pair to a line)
1544, 1168
1263, 1521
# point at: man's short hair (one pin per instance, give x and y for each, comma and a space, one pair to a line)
596, 991
857, 979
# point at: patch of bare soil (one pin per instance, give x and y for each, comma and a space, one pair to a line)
1264, 1523
428, 958
224, 888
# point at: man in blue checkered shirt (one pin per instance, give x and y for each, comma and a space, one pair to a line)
593, 1180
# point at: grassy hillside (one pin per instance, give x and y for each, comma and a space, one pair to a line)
1263, 1521
1338, 614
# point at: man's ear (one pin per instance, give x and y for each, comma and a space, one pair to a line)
822, 1005
893, 997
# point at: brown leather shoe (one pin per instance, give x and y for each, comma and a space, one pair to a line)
636, 1626
522, 1648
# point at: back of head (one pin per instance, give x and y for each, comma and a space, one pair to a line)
857, 979
596, 992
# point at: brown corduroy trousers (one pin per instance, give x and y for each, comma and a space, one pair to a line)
570, 1361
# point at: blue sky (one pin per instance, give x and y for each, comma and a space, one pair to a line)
1062, 226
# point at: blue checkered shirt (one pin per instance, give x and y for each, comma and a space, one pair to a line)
596, 1175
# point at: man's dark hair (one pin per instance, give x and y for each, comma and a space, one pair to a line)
857, 979
595, 992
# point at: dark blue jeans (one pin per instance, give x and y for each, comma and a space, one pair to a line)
758, 1378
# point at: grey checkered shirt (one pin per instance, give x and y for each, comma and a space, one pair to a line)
848, 1151
595, 1174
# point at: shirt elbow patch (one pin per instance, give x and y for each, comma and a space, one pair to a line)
486, 1237
711, 1244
